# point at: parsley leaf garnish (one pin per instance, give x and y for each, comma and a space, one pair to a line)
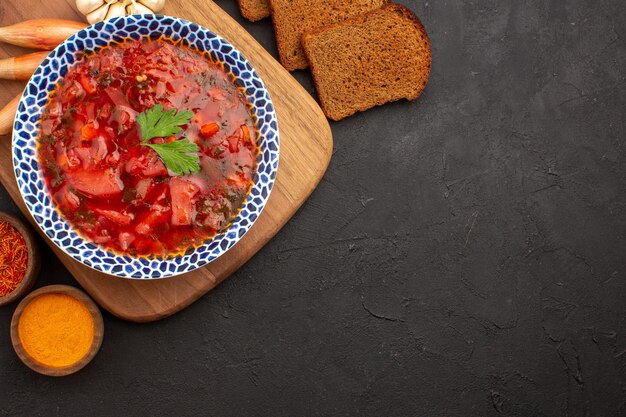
181, 156
158, 123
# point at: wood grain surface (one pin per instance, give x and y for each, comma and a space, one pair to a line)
305, 150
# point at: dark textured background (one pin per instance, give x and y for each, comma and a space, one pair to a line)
464, 255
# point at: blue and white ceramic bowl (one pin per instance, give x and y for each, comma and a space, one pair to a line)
26, 131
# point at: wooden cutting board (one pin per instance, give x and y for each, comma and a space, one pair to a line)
305, 150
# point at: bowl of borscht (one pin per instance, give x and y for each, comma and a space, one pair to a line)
145, 146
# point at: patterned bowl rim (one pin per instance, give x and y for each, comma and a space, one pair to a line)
35, 192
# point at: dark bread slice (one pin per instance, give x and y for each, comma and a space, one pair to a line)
254, 10
291, 18
372, 59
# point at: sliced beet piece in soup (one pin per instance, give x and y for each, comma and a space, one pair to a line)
101, 183
182, 193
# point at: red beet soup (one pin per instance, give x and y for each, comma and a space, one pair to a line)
148, 147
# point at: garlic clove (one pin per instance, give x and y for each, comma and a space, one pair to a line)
88, 6
115, 10
97, 10
98, 14
138, 8
153, 5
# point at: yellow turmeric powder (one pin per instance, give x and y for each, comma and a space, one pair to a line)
56, 330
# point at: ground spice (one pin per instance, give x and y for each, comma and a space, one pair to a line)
56, 330
13, 258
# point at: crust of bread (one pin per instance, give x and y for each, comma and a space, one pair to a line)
320, 64
311, 14
254, 10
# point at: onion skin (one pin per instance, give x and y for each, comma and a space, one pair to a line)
7, 115
43, 34
21, 67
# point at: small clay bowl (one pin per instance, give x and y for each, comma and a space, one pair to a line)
34, 258
97, 337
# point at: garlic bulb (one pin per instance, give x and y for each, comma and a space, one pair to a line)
96, 10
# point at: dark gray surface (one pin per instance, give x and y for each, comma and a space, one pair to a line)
464, 255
